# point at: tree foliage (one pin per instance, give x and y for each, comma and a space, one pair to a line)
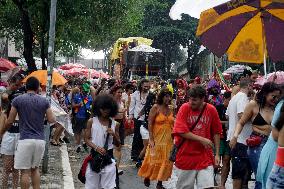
94, 24
170, 34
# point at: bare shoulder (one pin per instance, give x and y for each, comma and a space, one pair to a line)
253, 104
90, 122
155, 107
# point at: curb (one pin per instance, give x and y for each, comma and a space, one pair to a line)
68, 182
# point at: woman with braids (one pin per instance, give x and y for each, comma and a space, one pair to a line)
260, 112
156, 165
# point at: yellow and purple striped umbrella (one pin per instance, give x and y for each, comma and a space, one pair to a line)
247, 30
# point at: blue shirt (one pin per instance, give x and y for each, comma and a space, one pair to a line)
81, 113
277, 113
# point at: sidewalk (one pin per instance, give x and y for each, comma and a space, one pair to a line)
54, 178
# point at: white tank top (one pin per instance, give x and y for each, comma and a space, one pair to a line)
99, 133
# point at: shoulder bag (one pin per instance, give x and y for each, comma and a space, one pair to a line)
99, 161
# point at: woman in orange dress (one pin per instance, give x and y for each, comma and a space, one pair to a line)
156, 165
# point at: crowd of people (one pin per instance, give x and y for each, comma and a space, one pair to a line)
201, 128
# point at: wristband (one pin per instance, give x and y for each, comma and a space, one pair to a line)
280, 157
96, 148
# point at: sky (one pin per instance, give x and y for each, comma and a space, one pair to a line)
89, 54
191, 7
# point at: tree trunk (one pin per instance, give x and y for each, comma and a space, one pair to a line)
44, 30
42, 53
28, 35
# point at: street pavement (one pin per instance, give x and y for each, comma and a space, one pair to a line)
129, 180
54, 178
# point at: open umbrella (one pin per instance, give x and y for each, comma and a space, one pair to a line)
6, 65
41, 75
71, 66
248, 31
276, 77
237, 69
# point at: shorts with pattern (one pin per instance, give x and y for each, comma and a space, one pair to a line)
276, 178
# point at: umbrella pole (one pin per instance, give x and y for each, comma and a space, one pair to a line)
274, 67
264, 64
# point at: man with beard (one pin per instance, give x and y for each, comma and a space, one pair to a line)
138, 101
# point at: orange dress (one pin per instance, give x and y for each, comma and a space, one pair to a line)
156, 164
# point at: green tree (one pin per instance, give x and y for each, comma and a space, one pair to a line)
92, 24
169, 35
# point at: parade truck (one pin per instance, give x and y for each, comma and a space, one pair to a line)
134, 57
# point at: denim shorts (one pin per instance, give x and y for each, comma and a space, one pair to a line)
276, 178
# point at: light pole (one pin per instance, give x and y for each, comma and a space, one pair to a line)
50, 63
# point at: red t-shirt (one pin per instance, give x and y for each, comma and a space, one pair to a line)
192, 155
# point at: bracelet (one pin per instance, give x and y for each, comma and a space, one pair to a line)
96, 148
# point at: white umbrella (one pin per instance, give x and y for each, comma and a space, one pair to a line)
145, 48
192, 7
237, 69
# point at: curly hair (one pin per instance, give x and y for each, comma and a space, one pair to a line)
267, 88
105, 102
162, 94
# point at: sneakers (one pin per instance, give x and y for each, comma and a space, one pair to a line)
78, 150
85, 147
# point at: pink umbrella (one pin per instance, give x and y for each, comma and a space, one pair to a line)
71, 66
95, 73
72, 72
104, 75
276, 77
6, 65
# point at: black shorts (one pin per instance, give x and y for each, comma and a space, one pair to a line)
121, 131
79, 125
241, 168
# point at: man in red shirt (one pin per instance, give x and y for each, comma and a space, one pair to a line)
195, 158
